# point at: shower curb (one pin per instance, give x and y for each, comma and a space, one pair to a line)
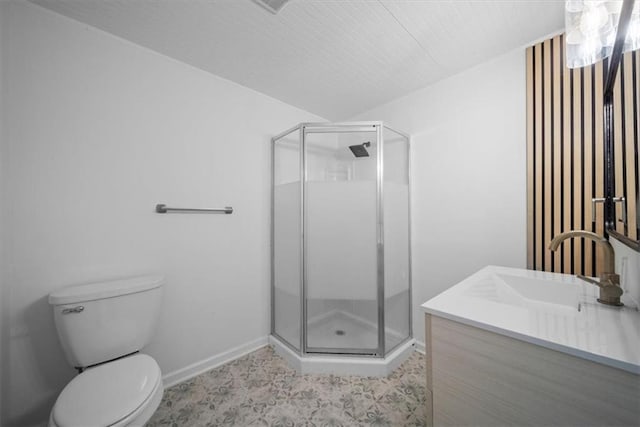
344, 365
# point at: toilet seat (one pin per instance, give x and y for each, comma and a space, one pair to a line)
112, 394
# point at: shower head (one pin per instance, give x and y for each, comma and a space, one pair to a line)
360, 150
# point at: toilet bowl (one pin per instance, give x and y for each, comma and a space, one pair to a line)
125, 392
102, 328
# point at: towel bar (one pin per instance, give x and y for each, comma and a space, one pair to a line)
162, 208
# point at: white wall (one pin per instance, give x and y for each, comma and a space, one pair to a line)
98, 131
468, 174
3, 299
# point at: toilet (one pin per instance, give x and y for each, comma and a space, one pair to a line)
102, 328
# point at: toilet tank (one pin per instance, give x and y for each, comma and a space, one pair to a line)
102, 321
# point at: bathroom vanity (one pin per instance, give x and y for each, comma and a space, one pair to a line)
519, 347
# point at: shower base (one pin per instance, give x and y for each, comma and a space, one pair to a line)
343, 330
338, 329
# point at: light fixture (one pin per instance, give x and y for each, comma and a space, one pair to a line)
591, 27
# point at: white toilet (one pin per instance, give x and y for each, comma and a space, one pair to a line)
101, 327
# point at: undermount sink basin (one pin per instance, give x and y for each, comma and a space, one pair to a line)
527, 292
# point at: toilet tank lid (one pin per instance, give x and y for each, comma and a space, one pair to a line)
100, 290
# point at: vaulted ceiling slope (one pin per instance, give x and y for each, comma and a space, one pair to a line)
334, 58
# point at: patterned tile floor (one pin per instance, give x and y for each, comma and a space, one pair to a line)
260, 389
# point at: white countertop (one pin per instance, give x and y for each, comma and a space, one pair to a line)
511, 302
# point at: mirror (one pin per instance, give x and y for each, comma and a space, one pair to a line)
621, 104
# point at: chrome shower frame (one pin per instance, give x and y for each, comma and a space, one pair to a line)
341, 127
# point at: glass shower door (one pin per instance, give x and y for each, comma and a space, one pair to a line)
397, 267
342, 312
286, 260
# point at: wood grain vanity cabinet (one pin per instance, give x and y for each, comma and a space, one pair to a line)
477, 377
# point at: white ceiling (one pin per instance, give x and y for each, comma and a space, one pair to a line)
334, 58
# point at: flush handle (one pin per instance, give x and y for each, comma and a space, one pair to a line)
78, 309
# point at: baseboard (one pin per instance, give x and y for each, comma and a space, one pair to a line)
175, 377
195, 369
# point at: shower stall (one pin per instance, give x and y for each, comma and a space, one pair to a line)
340, 255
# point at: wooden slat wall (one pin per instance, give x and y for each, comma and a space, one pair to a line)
565, 159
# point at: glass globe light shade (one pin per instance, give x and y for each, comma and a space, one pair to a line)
591, 27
